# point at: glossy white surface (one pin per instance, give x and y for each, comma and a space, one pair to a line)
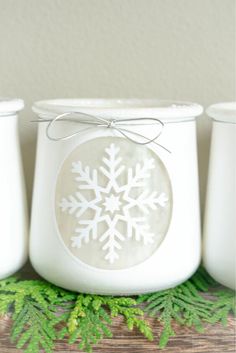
123, 108
182, 241
13, 210
224, 112
219, 250
10, 106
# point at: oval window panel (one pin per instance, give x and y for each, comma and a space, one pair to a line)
113, 203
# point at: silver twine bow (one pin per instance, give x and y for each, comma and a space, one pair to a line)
119, 125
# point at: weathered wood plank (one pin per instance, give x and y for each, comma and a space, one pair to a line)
216, 339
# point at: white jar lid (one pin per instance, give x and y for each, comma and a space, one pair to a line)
169, 111
224, 112
9, 106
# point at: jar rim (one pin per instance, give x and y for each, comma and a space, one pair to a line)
9, 106
123, 108
223, 112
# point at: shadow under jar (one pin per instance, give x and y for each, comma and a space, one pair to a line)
116, 199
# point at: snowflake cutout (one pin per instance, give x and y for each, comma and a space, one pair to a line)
112, 203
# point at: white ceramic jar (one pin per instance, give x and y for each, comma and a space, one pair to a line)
111, 215
219, 250
13, 210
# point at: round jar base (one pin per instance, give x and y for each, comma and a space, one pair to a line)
153, 285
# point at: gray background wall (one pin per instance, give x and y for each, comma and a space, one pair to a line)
170, 49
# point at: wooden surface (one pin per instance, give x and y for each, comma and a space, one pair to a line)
216, 339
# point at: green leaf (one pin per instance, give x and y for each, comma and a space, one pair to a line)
34, 312
186, 305
92, 314
42, 312
224, 304
202, 281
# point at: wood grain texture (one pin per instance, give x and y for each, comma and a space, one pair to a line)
216, 339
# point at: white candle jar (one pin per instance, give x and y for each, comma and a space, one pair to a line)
219, 250
13, 210
114, 212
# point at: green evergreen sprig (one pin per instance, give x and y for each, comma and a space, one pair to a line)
224, 304
91, 314
34, 305
42, 313
186, 305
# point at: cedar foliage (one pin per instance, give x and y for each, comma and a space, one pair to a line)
42, 313
186, 305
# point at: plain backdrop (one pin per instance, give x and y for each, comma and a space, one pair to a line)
167, 49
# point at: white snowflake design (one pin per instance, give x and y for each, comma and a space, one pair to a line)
112, 203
